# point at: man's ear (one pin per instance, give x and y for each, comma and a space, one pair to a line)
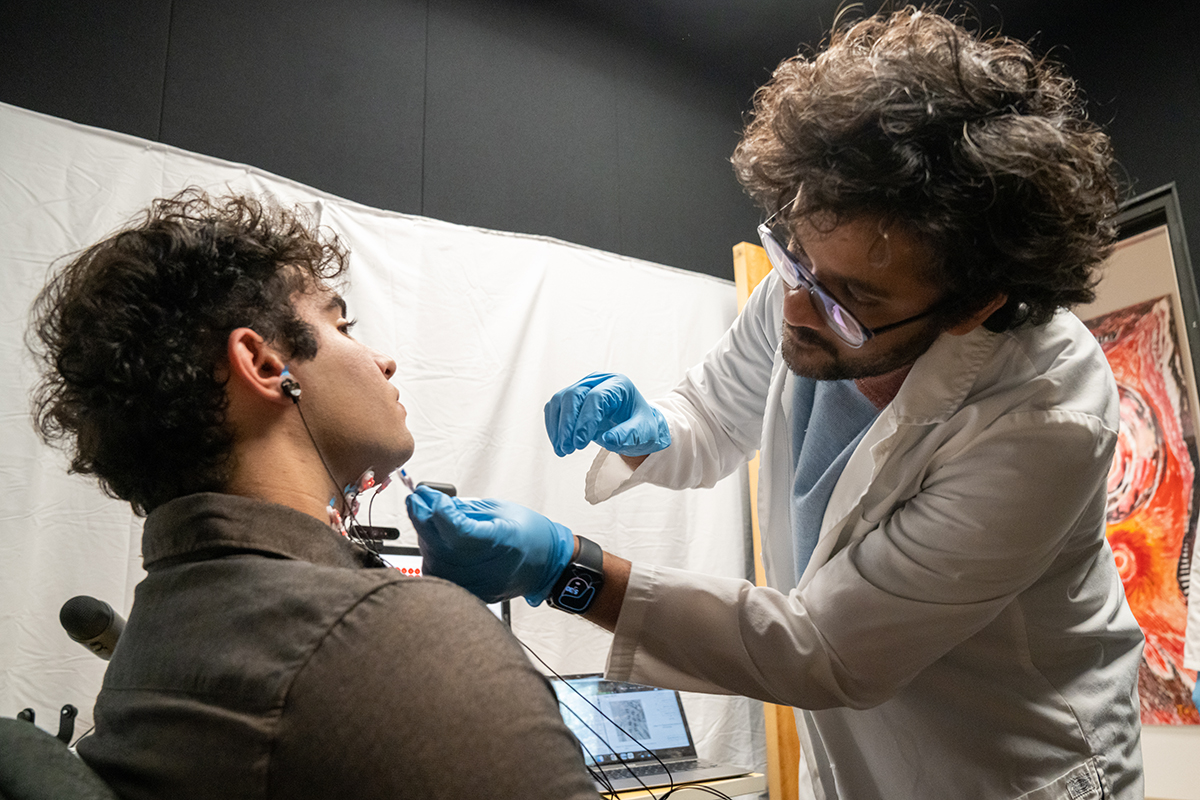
978, 318
255, 366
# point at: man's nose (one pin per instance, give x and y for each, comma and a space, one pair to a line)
799, 310
387, 364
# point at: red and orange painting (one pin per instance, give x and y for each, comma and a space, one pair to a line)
1151, 497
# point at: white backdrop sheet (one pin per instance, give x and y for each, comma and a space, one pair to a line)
484, 327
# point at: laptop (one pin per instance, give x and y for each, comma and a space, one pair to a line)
643, 722
409, 561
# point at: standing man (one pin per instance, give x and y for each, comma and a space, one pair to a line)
935, 432
200, 364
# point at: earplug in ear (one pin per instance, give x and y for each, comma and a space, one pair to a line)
289, 386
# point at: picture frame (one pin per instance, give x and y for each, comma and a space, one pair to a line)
1146, 315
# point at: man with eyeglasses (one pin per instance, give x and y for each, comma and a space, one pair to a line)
935, 432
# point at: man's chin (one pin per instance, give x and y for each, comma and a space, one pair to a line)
385, 462
831, 370
811, 358
398, 459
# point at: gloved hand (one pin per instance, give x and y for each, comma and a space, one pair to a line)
493, 549
1196, 694
608, 409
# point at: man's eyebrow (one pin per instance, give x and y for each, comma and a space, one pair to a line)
866, 288
336, 301
856, 285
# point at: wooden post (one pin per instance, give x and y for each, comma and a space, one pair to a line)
751, 265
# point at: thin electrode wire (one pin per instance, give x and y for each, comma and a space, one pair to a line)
408, 483
346, 502
631, 737
80, 737
597, 774
671, 787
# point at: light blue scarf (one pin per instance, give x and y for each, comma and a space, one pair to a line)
829, 418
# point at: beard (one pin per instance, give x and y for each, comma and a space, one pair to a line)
809, 355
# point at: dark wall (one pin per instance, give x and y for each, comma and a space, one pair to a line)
512, 116
1139, 65
603, 122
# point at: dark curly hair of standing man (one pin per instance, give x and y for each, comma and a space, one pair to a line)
973, 143
132, 333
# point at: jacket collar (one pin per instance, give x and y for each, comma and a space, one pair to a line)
942, 377
210, 525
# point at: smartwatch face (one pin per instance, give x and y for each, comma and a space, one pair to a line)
576, 594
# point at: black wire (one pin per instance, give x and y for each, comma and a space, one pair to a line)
85, 733
371, 508
631, 737
599, 775
603, 780
671, 786
700, 787
347, 503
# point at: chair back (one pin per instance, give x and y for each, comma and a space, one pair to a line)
34, 765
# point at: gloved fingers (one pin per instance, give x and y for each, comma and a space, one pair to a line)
422, 502
481, 508
645, 433
439, 520
562, 412
596, 378
561, 546
419, 512
627, 439
605, 405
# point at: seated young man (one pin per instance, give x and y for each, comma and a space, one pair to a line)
200, 364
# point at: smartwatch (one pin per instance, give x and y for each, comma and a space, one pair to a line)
579, 584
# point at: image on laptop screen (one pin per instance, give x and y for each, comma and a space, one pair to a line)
637, 723
633, 736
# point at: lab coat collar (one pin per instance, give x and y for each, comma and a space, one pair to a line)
942, 377
936, 388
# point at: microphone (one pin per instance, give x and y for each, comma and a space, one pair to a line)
92, 623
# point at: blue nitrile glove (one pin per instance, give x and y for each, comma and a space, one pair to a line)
494, 549
608, 409
1196, 694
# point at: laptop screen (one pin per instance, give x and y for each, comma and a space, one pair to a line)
642, 722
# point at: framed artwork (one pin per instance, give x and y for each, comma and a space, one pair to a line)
1147, 318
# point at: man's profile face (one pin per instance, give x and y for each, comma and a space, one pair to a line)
350, 405
879, 275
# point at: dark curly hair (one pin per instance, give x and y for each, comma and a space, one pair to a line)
972, 142
131, 336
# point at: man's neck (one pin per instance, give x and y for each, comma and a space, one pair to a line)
284, 470
882, 389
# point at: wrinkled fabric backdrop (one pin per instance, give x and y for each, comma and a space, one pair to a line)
484, 327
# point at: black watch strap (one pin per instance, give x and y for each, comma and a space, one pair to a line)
579, 584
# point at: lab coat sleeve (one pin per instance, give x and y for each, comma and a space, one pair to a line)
715, 413
987, 521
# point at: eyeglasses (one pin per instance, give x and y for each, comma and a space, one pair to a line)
795, 275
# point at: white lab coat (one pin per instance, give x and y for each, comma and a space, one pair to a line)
961, 630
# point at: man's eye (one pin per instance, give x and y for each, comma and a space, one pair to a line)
860, 298
346, 325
